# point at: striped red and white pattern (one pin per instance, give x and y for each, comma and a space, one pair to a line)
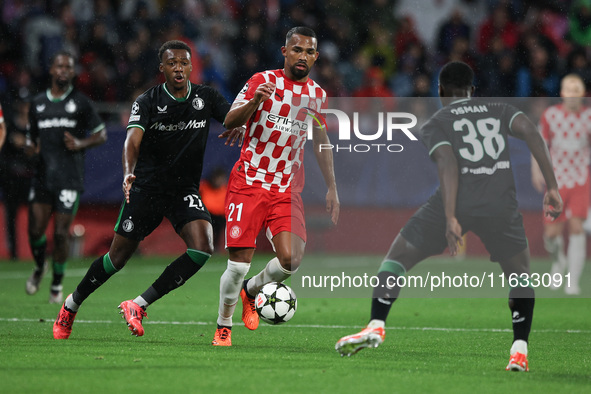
568, 136
272, 153
1, 114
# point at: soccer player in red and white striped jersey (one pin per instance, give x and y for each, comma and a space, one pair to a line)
265, 183
273, 152
566, 128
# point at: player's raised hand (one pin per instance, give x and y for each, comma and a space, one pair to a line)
264, 91
453, 233
333, 206
127, 181
72, 143
552, 203
234, 135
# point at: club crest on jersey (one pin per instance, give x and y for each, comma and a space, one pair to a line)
198, 103
71, 106
135, 108
235, 232
127, 225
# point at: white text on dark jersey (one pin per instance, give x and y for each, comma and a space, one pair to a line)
193, 124
57, 122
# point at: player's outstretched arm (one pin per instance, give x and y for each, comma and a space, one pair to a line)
523, 128
447, 168
95, 139
241, 111
537, 178
131, 151
326, 164
234, 135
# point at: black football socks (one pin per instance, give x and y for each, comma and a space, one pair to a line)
38, 248
59, 270
387, 290
521, 303
99, 272
176, 274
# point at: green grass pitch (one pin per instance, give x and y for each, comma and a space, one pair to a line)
432, 344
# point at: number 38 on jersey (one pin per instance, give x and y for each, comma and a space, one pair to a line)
483, 138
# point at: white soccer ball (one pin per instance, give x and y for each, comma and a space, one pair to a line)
276, 303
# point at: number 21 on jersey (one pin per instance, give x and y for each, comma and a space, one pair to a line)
237, 209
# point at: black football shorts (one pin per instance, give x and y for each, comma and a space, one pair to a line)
146, 210
503, 235
63, 201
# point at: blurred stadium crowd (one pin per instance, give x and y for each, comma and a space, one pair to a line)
368, 47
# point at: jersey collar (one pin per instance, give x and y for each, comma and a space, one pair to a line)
460, 100
176, 98
293, 81
60, 98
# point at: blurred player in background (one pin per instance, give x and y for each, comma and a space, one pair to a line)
17, 167
476, 193
162, 163
2, 128
566, 128
63, 124
265, 183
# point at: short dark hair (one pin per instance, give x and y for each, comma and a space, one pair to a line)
61, 52
456, 75
174, 44
302, 30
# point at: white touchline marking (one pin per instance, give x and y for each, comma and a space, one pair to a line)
202, 323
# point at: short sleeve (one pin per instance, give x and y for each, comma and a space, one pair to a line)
509, 116
248, 90
321, 99
220, 106
139, 115
94, 123
433, 136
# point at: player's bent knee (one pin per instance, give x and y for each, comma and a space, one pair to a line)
290, 263
202, 243
119, 258
208, 249
35, 232
60, 237
118, 264
576, 229
35, 235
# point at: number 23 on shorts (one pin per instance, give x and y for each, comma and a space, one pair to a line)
194, 201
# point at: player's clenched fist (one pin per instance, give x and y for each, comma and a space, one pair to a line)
264, 91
